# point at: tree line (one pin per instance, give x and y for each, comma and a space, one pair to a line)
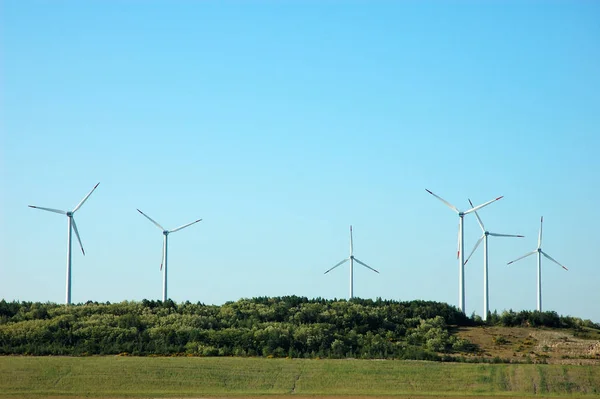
288, 326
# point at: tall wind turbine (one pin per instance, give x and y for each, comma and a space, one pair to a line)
71, 225
539, 265
165, 242
484, 237
460, 253
352, 259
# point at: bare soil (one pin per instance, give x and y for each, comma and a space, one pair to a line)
537, 345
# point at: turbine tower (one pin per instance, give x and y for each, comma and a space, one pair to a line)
539, 265
165, 247
352, 259
460, 254
71, 225
484, 237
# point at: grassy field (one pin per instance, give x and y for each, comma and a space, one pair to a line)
115, 376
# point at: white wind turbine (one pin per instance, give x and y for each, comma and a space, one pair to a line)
460, 254
351, 258
165, 242
484, 238
71, 225
539, 265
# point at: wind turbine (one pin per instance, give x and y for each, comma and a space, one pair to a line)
484, 238
539, 265
71, 226
351, 258
460, 254
165, 242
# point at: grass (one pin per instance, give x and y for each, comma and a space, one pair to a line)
115, 376
588, 333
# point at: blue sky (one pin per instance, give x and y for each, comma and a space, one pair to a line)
282, 123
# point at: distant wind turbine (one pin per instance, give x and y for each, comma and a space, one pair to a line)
484, 237
351, 258
460, 253
71, 226
165, 243
539, 265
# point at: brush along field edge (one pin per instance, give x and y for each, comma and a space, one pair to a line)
120, 376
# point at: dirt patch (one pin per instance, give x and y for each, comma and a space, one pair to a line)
537, 345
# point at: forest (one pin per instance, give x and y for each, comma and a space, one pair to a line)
288, 326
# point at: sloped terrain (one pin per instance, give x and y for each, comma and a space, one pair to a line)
537, 345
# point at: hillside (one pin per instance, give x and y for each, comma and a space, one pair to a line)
526, 344
294, 327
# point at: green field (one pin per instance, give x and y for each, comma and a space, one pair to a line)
116, 376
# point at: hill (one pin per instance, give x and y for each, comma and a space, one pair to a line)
294, 327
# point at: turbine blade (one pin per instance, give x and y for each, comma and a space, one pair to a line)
351, 242
77, 234
540, 236
505, 235
478, 207
478, 218
48, 209
365, 265
474, 248
449, 205
184, 226
162, 259
338, 264
524, 256
85, 198
152, 220
553, 260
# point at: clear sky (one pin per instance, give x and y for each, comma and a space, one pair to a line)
280, 123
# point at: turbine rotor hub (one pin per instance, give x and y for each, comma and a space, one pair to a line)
70, 214
166, 232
